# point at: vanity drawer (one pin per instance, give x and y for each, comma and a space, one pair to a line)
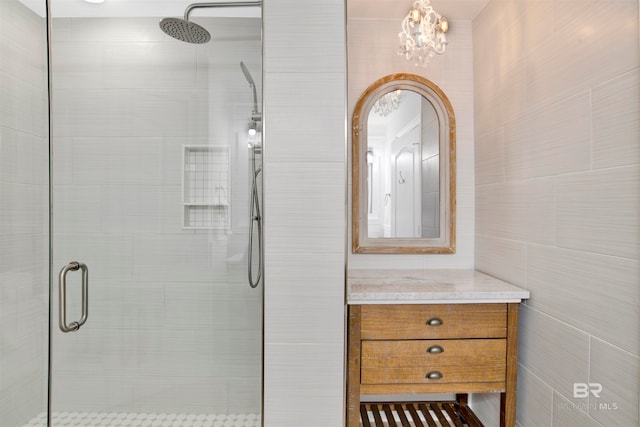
434, 361
434, 321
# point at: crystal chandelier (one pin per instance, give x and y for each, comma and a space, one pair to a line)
387, 103
423, 33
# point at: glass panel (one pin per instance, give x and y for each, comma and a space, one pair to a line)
23, 214
151, 188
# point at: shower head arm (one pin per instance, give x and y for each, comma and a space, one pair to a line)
189, 8
255, 115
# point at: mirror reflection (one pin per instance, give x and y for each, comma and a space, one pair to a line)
403, 167
403, 170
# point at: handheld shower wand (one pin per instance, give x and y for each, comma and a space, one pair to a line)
255, 216
256, 225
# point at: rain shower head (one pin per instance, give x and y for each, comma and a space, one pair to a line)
184, 30
187, 31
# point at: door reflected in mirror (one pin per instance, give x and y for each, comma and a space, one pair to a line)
404, 198
403, 161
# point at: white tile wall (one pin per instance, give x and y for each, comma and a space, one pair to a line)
23, 214
567, 413
578, 287
562, 145
556, 352
618, 372
305, 300
291, 97
502, 258
534, 403
485, 406
517, 210
558, 197
490, 157
304, 212
129, 113
560, 66
615, 125
294, 203
609, 227
318, 44
304, 384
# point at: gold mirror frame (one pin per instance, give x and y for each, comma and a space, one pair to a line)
361, 242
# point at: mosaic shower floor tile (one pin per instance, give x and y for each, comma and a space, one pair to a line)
121, 419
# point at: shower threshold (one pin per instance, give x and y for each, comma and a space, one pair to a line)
121, 419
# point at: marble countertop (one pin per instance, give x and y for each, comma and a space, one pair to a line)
426, 286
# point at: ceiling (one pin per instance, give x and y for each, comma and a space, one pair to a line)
397, 9
133, 8
364, 9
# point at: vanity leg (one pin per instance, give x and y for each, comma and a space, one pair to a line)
462, 398
508, 398
353, 367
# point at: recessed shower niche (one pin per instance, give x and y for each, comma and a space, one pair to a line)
205, 187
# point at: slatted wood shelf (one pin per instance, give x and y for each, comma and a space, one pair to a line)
417, 414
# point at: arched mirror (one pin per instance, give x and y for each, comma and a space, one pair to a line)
404, 138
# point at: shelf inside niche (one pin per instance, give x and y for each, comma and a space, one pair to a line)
205, 204
206, 187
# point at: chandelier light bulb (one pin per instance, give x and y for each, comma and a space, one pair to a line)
443, 25
415, 15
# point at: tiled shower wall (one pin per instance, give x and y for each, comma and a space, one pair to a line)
557, 112
23, 213
173, 323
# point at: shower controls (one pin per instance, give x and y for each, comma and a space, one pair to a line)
62, 282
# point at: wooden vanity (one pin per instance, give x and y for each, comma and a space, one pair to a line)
419, 332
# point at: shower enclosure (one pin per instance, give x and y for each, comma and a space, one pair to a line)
143, 221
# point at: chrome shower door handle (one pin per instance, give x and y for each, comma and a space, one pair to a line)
62, 283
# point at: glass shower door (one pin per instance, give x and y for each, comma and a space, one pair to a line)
151, 186
23, 214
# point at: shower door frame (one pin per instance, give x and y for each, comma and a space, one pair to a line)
52, 273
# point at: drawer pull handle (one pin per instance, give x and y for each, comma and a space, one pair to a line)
435, 349
434, 321
434, 375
